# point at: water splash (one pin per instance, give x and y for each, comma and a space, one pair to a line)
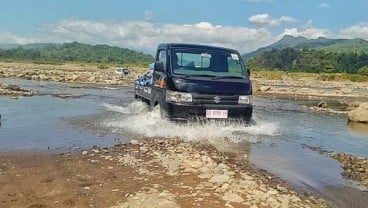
138, 119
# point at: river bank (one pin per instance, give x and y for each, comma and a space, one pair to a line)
282, 85
146, 173
306, 86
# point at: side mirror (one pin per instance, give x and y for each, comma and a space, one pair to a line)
159, 66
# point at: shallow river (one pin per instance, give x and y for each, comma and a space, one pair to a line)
104, 116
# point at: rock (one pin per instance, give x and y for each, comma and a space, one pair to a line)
96, 151
232, 197
65, 96
265, 88
75, 77
354, 105
134, 142
42, 76
219, 179
322, 104
360, 114
360, 128
91, 79
84, 152
281, 188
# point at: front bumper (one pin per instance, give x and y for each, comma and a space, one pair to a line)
185, 112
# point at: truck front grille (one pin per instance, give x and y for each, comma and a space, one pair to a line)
215, 99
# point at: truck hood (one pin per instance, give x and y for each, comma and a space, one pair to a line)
210, 86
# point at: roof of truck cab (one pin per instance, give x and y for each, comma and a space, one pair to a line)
187, 45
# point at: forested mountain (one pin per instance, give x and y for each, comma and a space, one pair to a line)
330, 45
74, 52
298, 54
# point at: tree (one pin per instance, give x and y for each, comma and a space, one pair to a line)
363, 71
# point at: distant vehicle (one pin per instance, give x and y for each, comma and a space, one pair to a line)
122, 71
197, 82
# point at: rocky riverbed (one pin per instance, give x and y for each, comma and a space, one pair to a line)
309, 87
147, 173
14, 91
354, 167
72, 73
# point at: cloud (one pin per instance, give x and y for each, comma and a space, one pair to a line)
145, 36
142, 35
12, 38
266, 20
356, 31
323, 6
310, 33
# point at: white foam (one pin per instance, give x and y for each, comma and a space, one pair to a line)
133, 108
139, 120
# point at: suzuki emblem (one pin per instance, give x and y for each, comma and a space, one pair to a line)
217, 99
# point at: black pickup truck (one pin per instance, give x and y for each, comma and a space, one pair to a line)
190, 82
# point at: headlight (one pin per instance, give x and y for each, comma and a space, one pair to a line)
245, 99
172, 96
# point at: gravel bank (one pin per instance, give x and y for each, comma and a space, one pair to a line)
355, 168
147, 173
13, 90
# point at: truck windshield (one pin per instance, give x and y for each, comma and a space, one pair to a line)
198, 62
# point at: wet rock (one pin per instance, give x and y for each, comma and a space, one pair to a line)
14, 90
360, 128
354, 168
360, 114
66, 96
322, 104
281, 188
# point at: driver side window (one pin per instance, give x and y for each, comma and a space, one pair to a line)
162, 57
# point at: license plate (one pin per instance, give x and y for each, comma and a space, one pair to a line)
216, 113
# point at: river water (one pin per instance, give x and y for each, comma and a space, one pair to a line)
105, 116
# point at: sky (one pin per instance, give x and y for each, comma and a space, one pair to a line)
245, 25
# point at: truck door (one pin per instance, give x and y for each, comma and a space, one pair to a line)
159, 77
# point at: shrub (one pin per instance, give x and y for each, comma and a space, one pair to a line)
363, 71
102, 66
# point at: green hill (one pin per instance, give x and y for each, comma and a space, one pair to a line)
348, 46
326, 44
74, 52
322, 55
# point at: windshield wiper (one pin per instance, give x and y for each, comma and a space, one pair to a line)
199, 75
228, 77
